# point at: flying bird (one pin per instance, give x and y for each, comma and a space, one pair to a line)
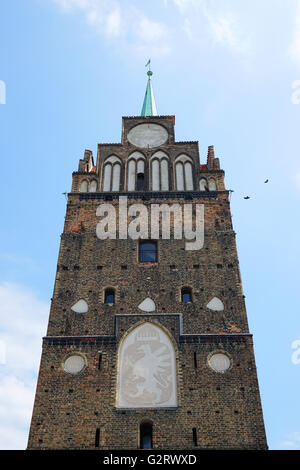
266, 181
247, 197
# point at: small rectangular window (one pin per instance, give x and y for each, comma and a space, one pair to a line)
195, 443
97, 438
148, 252
195, 360
100, 362
109, 297
186, 295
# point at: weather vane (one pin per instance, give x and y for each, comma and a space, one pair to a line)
148, 63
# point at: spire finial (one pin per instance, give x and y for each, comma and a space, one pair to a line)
149, 106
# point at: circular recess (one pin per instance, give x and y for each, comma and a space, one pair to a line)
148, 135
219, 362
74, 364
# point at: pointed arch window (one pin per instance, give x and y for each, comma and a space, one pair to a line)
136, 172
184, 173
212, 184
203, 186
160, 172
112, 174
84, 186
93, 186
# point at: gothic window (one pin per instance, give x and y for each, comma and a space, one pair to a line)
203, 186
186, 295
146, 435
109, 296
84, 186
136, 172
140, 181
212, 184
160, 172
147, 370
148, 252
93, 186
112, 174
184, 173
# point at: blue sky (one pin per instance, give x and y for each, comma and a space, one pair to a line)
229, 71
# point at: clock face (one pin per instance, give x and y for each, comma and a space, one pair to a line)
148, 135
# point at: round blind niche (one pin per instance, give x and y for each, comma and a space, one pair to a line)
219, 362
74, 364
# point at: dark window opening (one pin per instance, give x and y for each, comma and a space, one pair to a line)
146, 436
109, 297
148, 252
195, 360
186, 295
195, 437
97, 437
100, 362
140, 182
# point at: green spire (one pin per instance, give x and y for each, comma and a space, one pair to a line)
149, 106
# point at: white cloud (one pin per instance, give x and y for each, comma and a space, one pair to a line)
187, 28
294, 49
222, 25
150, 31
23, 320
292, 442
113, 20
113, 23
183, 5
297, 179
224, 32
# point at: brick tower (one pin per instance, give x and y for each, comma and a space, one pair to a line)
148, 343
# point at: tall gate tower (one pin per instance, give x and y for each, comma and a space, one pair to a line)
148, 343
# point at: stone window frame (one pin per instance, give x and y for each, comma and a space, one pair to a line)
111, 289
116, 291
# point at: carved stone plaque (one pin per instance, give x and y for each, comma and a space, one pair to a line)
147, 369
